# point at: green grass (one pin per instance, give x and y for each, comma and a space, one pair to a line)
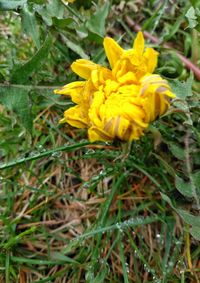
72, 211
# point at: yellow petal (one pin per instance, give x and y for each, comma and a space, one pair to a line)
134, 114
152, 59
129, 90
97, 134
163, 105
83, 68
111, 86
66, 89
127, 78
117, 127
139, 43
95, 78
113, 50
75, 117
119, 69
94, 111
135, 133
74, 90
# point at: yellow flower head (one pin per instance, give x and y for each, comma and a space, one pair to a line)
121, 102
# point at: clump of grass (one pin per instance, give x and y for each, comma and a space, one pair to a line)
71, 211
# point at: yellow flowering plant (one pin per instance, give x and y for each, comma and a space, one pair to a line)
119, 102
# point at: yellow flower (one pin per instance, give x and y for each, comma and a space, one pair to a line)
121, 102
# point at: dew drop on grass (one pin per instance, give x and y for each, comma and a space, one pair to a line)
158, 236
178, 242
33, 153
41, 148
101, 173
146, 268
56, 154
127, 267
119, 227
90, 274
90, 151
102, 261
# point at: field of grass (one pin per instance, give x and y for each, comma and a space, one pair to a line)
105, 212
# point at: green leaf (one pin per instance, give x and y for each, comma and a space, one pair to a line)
175, 27
189, 218
11, 4
168, 200
2, 79
20, 74
167, 166
196, 179
55, 8
195, 232
177, 151
192, 18
51, 9
61, 257
96, 23
101, 275
62, 23
183, 187
75, 47
183, 89
17, 100
42, 11
30, 25
37, 1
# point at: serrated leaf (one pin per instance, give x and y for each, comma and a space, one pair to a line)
192, 18
96, 23
183, 89
17, 100
20, 75
183, 187
11, 4
29, 24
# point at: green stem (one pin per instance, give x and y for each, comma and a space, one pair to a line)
43, 154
